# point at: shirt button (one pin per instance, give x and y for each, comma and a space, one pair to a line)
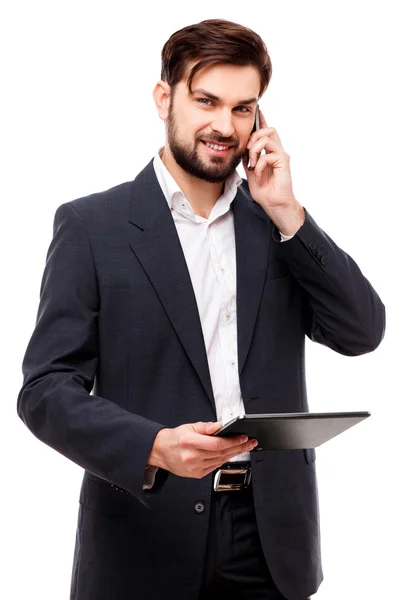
222, 270
199, 507
233, 363
228, 316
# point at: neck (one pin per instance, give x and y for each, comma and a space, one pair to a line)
201, 194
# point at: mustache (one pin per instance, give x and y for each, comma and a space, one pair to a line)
212, 140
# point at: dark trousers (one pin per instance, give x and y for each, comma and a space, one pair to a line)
235, 566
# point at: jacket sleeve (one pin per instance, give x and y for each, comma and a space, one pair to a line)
59, 367
342, 309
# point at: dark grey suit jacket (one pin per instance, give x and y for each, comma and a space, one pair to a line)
118, 318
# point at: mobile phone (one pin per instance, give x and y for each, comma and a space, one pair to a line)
257, 120
255, 128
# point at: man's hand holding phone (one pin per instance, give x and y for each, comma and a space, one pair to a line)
191, 450
269, 178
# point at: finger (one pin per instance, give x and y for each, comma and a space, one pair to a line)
247, 166
269, 131
212, 464
262, 120
206, 427
233, 451
255, 151
275, 135
264, 143
199, 460
250, 445
245, 158
212, 427
232, 443
209, 442
272, 160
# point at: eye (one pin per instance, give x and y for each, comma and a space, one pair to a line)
204, 101
245, 109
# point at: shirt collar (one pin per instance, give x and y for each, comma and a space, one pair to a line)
172, 191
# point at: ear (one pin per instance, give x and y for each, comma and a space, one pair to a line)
161, 96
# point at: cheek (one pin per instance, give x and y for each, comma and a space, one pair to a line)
243, 134
202, 127
242, 144
191, 126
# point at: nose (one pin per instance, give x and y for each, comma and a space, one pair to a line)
223, 124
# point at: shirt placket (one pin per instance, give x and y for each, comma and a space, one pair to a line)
227, 324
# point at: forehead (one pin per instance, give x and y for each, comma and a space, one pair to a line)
228, 82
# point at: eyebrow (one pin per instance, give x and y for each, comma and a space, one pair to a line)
213, 97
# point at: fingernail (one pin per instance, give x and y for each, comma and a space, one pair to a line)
244, 438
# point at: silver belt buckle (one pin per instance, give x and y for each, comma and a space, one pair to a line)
221, 480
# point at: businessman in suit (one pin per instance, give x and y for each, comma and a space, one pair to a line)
169, 305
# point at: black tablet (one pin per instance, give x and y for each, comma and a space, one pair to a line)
291, 431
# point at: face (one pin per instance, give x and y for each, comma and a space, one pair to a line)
220, 111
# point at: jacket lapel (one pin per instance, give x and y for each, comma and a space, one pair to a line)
155, 242
253, 234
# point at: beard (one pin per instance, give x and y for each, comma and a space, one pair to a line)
216, 170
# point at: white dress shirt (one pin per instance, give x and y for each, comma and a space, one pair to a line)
209, 249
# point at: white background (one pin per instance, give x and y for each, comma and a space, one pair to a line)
78, 117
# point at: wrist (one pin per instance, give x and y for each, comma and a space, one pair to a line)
158, 450
289, 219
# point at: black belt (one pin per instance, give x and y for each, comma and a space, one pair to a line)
232, 476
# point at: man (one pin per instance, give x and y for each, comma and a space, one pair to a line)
180, 300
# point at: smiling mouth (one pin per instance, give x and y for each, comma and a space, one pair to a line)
217, 147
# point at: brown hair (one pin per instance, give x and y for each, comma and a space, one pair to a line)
212, 42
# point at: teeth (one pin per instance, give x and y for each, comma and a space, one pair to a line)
216, 147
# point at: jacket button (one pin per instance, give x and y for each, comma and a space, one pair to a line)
199, 507
323, 260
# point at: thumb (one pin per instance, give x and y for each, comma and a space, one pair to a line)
213, 427
208, 428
